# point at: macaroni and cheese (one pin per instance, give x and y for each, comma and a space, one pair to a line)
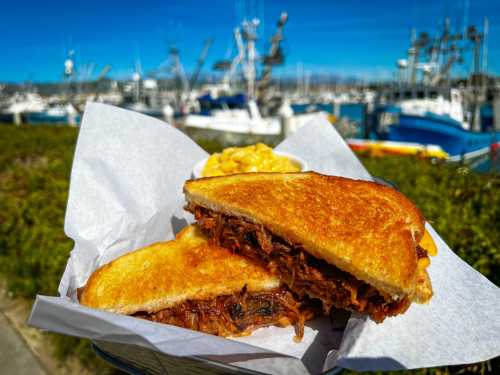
255, 158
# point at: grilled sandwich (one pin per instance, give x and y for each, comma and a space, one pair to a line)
351, 244
192, 284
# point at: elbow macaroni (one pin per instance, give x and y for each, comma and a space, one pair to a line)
255, 158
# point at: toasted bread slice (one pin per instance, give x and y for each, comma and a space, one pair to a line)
167, 273
361, 227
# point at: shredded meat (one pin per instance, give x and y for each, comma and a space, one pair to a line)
237, 314
421, 253
304, 274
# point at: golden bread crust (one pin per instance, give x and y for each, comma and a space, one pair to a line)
363, 228
166, 273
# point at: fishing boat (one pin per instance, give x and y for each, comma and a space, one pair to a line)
256, 111
55, 114
433, 111
435, 121
459, 142
20, 105
247, 120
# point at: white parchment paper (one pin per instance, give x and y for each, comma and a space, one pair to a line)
126, 192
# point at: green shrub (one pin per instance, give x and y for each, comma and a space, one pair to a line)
34, 173
35, 163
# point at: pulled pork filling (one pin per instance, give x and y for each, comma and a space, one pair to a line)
304, 274
421, 253
237, 314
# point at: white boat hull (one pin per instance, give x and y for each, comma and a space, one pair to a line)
240, 125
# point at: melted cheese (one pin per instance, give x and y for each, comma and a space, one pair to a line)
427, 243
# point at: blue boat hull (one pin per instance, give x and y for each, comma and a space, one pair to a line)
452, 138
36, 118
6, 118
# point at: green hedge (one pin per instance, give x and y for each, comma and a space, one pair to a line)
35, 164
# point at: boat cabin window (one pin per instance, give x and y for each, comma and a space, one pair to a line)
420, 95
408, 95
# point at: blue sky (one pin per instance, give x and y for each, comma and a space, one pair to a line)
347, 38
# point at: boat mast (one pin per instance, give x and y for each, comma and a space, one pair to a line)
69, 75
274, 57
249, 71
477, 84
228, 76
178, 70
402, 65
137, 77
485, 44
201, 61
412, 57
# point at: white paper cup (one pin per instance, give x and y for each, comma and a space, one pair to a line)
198, 168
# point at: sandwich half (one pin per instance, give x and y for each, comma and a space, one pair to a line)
351, 244
193, 284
